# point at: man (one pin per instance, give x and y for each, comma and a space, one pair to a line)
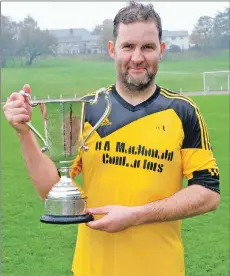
134, 169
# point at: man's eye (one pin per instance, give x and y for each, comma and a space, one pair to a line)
128, 46
148, 47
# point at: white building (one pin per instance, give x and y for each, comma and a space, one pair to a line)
76, 41
178, 38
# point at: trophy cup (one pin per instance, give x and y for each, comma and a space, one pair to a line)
63, 127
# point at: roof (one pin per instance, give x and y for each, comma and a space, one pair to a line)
71, 35
167, 33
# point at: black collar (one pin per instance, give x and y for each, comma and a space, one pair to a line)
135, 107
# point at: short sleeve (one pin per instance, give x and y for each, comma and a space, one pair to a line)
199, 164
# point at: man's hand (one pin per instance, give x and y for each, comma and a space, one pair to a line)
18, 111
116, 218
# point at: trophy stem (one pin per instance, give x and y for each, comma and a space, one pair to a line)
64, 171
66, 178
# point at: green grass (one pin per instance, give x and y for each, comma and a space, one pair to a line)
206, 237
32, 248
69, 76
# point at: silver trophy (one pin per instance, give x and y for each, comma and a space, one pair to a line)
63, 127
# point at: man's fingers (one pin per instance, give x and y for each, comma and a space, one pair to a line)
20, 118
21, 110
99, 224
99, 210
15, 96
17, 104
27, 88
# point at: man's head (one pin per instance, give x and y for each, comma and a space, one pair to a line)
137, 48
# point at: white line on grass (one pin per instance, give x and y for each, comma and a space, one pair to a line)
179, 73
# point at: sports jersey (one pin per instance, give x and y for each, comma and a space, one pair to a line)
140, 154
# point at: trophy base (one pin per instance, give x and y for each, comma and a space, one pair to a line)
66, 219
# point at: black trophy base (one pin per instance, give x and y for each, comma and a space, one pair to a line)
66, 219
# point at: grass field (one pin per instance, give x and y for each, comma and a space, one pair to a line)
31, 248
69, 76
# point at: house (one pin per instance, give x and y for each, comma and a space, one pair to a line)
80, 40
178, 38
76, 41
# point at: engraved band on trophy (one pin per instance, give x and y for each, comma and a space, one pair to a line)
63, 127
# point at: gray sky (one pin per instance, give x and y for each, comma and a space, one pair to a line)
60, 15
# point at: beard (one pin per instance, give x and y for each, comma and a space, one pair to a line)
137, 84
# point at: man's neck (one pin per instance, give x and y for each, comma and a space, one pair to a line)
135, 97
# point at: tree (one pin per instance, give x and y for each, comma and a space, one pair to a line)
105, 32
34, 42
221, 29
97, 30
8, 38
202, 35
174, 48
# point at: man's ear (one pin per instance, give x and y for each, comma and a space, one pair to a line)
163, 48
111, 48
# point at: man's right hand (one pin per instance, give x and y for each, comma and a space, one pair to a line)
18, 111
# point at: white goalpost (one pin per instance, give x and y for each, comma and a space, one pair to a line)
216, 81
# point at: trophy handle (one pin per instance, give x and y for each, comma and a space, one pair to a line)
107, 111
33, 104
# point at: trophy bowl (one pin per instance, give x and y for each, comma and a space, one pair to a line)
63, 121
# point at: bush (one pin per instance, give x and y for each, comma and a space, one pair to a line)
174, 48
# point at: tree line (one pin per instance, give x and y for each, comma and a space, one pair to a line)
26, 40
212, 32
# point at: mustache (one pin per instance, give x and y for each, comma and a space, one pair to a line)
137, 66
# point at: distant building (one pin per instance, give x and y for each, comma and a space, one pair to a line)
178, 38
76, 41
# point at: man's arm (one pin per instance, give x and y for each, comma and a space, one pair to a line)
188, 202
42, 170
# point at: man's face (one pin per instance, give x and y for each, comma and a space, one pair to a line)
137, 53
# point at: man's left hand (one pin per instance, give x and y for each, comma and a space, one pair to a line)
115, 219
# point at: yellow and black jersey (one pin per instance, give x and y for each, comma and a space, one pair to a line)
138, 155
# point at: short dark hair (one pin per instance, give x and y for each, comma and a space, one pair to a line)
136, 12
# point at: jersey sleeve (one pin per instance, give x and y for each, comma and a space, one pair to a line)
199, 164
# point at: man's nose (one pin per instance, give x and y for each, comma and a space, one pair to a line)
137, 56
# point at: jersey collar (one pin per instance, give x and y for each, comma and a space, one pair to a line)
131, 107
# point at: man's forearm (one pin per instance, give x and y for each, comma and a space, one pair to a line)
191, 201
41, 169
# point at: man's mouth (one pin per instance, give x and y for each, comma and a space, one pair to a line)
138, 69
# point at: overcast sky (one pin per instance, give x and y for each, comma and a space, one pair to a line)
60, 15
